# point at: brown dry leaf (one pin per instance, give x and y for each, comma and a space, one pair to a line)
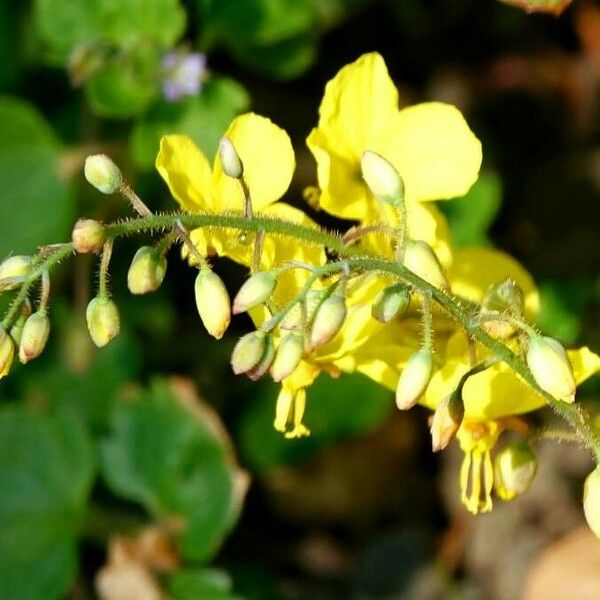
570, 568
129, 573
554, 7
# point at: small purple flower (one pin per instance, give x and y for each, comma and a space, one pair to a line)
183, 74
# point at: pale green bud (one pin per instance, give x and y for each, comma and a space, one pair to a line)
446, 421
248, 352
103, 321
422, 260
414, 378
254, 291
591, 501
7, 352
34, 336
312, 301
88, 236
390, 302
213, 303
505, 297
101, 172
382, 178
289, 354
328, 320
230, 159
16, 331
13, 271
264, 364
551, 368
147, 271
515, 467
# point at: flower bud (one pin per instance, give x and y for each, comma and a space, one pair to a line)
505, 297
591, 501
102, 173
312, 301
382, 178
288, 356
264, 364
551, 368
34, 336
103, 321
88, 236
7, 352
514, 469
13, 271
328, 320
390, 302
414, 378
147, 271
248, 352
447, 419
254, 291
422, 260
230, 159
213, 303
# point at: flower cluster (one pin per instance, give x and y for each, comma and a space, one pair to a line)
392, 298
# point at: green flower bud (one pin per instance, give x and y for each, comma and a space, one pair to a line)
446, 421
230, 159
591, 501
34, 336
505, 297
328, 320
289, 354
422, 260
102, 173
382, 178
213, 303
515, 467
16, 331
390, 302
414, 378
551, 368
254, 291
312, 301
147, 271
7, 352
88, 236
248, 352
102, 320
13, 271
264, 364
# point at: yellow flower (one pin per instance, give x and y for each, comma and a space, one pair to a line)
268, 158
430, 145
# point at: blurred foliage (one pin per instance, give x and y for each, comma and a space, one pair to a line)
91, 451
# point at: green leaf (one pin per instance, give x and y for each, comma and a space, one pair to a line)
168, 459
36, 204
191, 584
283, 60
204, 118
277, 37
250, 22
125, 88
336, 409
471, 216
562, 304
64, 24
46, 472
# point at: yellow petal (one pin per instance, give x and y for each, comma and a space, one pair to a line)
358, 106
434, 151
268, 158
473, 270
585, 363
186, 171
